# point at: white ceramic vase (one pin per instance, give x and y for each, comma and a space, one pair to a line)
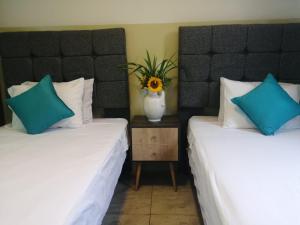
154, 106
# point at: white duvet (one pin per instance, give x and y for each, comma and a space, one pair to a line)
61, 177
243, 177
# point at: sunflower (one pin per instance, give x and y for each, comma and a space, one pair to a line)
154, 84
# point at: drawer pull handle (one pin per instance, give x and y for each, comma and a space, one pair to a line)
153, 138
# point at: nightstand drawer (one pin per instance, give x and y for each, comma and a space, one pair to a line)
155, 144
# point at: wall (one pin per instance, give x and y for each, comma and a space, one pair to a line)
151, 25
93, 12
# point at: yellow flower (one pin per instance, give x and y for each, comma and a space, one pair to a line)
154, 84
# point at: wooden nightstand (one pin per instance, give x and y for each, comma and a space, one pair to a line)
155, 142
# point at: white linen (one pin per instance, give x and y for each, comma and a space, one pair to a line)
62, 176
243, 177
233, 117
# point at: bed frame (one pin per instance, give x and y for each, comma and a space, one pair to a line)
68, 55
238, 52
1, 113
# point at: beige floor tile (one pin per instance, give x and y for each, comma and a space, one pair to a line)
174, 220
124, 219
165, 201
129, 201
165, 189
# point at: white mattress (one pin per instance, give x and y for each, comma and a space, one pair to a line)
60, 177
243, 177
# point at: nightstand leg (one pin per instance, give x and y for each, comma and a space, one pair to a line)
172, 171
138, 175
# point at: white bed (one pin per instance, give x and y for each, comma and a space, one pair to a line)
243, 177
63, 176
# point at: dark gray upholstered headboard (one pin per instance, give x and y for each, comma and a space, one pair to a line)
238, 52
1, 113
68, 55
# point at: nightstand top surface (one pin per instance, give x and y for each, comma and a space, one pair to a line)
166, 121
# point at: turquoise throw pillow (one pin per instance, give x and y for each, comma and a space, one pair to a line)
268, 106
39, 107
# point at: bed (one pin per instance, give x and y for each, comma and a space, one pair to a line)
64, 175
241, 176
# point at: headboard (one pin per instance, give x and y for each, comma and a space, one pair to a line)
67, 55
1, 113
238, 52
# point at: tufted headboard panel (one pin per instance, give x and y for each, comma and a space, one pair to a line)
67, 55
238, 52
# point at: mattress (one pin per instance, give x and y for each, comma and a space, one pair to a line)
62, 176
243, 177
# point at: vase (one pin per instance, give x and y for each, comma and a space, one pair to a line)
154, 106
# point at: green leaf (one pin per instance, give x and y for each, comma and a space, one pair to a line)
151, 67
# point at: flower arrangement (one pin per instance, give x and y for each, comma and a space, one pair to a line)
152, 75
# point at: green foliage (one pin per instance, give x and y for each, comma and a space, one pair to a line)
151, 68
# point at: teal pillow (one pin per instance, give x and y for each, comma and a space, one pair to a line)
268, 106
39, 107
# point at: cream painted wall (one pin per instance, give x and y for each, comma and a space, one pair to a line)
93, 12
151, 25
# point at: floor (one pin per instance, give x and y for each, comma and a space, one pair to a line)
155, 203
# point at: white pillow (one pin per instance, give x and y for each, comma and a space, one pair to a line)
71, 93
233, 117
221, 108
87, 112
87, 101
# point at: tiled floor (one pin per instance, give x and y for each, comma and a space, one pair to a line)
155, 203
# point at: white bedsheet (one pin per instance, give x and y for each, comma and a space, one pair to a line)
243, 177
61, 177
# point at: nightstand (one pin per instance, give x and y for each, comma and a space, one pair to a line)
152, 142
